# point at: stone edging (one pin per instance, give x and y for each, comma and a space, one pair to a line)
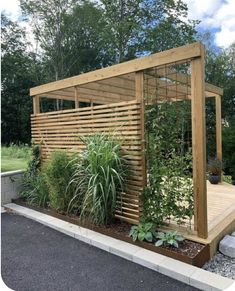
188, 274
12, 173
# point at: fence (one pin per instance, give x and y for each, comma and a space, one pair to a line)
61, 130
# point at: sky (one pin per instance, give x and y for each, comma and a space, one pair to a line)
216, 16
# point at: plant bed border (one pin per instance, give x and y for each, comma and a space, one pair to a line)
198, 260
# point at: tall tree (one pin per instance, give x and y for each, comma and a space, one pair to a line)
168, 25
84, 43
123, 25
69, 35
48, 22
138, 27
18, 75
220, 70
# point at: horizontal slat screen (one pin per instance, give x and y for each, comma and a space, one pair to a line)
60, 131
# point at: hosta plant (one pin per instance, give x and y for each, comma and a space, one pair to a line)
169, 238
143, 231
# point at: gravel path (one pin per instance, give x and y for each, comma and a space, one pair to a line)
222, 265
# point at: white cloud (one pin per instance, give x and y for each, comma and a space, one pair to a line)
214, 15
11, 8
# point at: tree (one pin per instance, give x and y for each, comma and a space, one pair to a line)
123, 25
84, 43
137, 27
18, 74
48, 21
220, 70
167, 25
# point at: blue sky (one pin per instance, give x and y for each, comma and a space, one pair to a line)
216, 16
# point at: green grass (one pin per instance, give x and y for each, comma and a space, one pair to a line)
14, 157
12, 164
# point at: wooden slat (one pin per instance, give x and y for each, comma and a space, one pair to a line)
139, 87
60, 130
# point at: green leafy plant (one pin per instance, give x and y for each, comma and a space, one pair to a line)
169, 194
58, 173
227, 179
214, 167
171, 238
143, 231
35, 190
38, 192
99, 172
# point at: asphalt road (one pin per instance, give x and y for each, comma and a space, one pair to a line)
35, 257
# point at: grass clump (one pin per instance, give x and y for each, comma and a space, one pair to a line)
99, 172
58, 173
35, 190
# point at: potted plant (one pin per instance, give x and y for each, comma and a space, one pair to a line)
214, 169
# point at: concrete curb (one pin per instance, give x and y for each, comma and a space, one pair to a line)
188, 274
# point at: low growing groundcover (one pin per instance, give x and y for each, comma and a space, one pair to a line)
189, 251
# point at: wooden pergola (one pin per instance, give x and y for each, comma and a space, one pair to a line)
116, 94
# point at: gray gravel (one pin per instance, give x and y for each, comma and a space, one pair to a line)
221, 265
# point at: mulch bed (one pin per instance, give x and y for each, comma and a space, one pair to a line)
189, 251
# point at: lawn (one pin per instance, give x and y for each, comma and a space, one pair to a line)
14, 157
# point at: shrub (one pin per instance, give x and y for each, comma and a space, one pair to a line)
38, 192
58, 173
214, 167
168, 238
98, 174
229, 149
35, 189
170, 191
143, 231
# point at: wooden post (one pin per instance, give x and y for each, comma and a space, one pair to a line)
139, 93
76, 97
218, 130
36, 104
199, 145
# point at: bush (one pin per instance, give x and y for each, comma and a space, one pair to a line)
58, 173
38, 192
98, 174
170, 191
229, 150
35, 189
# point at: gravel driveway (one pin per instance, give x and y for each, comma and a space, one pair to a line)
35, 257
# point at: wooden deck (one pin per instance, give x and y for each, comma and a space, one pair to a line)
221, 203
221, 216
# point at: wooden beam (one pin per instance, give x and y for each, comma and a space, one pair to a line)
218, 130
76, 97
199, 146
139, 91
210, 88
36, 104
173, 55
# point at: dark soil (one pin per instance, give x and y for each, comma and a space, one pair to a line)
120, 230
